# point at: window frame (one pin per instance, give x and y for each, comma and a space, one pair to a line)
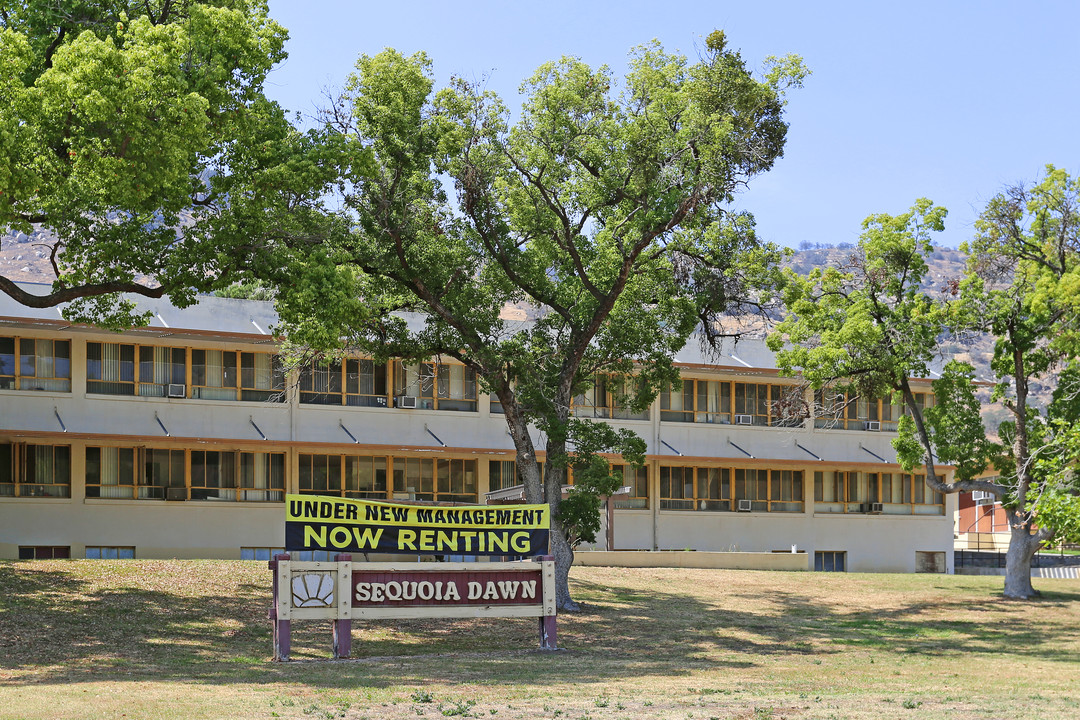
434, 386
161, 473
440, 472
732, 398
861, 489
175, 366
855, 412
19, 460
734, 484
337, 378
339, 464
637, 479
16, 377
604, 398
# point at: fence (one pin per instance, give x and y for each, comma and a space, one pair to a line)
996, 559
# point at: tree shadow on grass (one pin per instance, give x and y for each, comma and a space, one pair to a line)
938, 628
58, 628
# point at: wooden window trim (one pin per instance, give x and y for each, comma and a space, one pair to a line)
19, 380
23, 486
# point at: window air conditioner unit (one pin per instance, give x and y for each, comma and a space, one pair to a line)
876, 508
872, 425
405, 401
744, 419
745, 505
177, 390
981, 497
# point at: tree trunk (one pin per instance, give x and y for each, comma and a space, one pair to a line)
564, 558
550, 494
1022, 547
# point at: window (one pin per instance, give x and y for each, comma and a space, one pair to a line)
608, 397
923, 400
753, 485
35, 470
110, 472
594, 401
929, 562
360, 383
877, 493
262, 477
260, 553
213, 374
456, 388
688, 488
786, 490
924, 501
97, 552
726, 403
637, 479
504, 474
350, 476
44, 552
143, 370
262, 377
213, 475
435, 479
161, 474
434, 386
848, 411
135, 473
752, 400
830, 560
727, 489
38, 365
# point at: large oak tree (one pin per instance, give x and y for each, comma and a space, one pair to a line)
123, 126
605, 208
872, 325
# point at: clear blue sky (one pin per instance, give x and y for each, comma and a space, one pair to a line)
946, 100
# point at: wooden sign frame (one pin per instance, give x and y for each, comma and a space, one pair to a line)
309, 590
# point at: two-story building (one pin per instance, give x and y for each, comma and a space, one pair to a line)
180, 439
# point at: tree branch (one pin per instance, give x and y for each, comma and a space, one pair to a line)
75, 292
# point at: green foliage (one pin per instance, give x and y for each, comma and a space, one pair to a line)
954, 422
250, 290
604, 210
1061, 511
121, 124
870, 328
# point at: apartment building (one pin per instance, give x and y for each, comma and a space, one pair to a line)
180, 439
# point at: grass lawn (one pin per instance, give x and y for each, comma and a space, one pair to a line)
190, 639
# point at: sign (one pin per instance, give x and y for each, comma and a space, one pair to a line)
431, 588
341, 591
316, 522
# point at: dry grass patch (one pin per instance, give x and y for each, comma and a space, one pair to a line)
190, 639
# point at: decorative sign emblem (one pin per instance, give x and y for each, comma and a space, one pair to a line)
313, 589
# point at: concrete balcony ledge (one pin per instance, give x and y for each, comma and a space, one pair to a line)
694, 559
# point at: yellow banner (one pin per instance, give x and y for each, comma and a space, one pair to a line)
320, 508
